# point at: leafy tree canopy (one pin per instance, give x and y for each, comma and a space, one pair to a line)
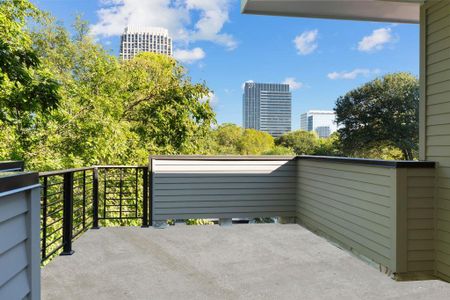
302, 142
381, 112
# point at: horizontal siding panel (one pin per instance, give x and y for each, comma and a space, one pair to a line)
420, 213
439, 98
12, 206
243, 191
364, 196
440, 45
420, 202
360, 177
348, 183
437, 68
353, 168
375, 207
367, 210
225, 215
421, 266
440, 76
223, 179
12, 262
425, 255
439, 119
368, 228
344, 237
438, 88
209, 204
438, 57
223, 189
224, 186
17, 288
16, 225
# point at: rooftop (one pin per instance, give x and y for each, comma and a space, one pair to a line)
264, 261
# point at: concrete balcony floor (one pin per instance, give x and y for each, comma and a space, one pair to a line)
210, 262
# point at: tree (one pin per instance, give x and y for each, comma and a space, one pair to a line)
227, 137
255, 142
383, 111
302, 142
279, 150
27, 87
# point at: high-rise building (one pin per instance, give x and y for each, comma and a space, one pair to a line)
145, 39
267, 107
321, 121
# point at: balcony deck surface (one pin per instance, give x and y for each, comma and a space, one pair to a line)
210, 262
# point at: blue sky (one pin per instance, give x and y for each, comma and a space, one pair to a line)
322, 59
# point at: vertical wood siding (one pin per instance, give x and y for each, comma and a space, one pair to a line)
184, 189
436, 112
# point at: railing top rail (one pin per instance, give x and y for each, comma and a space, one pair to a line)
223, 157
119, 167
11, 165
372, 162
15, 180
62, 172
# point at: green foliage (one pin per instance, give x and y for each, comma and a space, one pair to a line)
109, 112
279, 150
302, 142
199, 222
255, 142
381, 112
28, 91
226, 139
329, 146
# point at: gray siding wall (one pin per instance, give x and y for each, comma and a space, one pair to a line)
435, 118
383, 213
185, 189
351, 204
19, 246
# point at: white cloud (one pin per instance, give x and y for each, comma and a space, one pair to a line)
352, 74
213, 99
248, 81
376, 40
189, 56
187, 20
306, 43
294, 85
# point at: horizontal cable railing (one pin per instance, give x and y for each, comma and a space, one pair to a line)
74, 200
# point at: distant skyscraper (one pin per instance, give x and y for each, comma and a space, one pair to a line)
145, 39
322, 122
267, 107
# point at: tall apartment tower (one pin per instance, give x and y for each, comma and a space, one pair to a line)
267, 107
321, 121
137, 39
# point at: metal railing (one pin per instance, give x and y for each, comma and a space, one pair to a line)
74, 200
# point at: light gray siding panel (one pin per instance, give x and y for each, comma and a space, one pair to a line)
17, 287
11, 206
12, 262
19, 244
436, 53
184, 189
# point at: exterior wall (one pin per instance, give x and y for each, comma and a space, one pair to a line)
383, 213
420, 220
19, 247
184, 189
435, 118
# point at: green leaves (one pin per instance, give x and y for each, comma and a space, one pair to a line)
381, 112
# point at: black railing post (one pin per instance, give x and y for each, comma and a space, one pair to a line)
145, 197
68, 214
44, 219
95, 199
150, 192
